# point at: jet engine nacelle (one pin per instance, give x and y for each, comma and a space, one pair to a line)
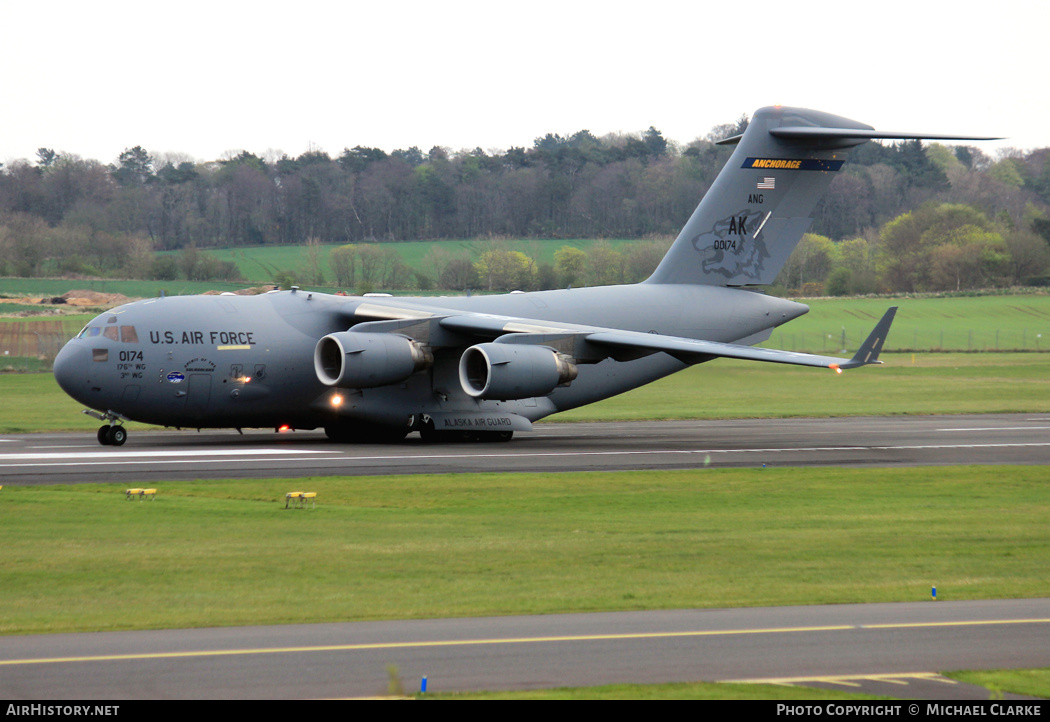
513, 371
353, 360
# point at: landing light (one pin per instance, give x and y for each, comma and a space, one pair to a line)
337, 400
282, 428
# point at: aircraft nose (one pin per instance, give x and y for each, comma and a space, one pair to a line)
70, 369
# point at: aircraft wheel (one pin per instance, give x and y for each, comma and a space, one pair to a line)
103, 435
117, 435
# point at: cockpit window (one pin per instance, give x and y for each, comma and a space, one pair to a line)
126, 334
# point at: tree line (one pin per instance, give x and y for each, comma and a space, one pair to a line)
882, 225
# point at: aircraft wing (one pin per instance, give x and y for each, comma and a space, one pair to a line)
689, 349
594, 340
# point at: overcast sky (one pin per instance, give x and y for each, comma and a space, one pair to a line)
205, 78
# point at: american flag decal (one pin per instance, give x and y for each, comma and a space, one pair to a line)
767, 184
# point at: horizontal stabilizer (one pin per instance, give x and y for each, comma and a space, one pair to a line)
860, 134
731, 140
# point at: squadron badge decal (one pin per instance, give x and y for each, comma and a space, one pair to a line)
731, 248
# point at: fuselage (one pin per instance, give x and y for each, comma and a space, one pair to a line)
248, 361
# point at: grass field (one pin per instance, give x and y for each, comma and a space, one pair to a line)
15, 287
1030, 682
1018, 322
907, 384
259, 264
227, 552
968, 323
679, 691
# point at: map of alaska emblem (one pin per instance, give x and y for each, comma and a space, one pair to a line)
731, 248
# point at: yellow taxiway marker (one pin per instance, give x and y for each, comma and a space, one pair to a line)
846, 681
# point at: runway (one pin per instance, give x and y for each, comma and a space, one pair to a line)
156, 456
889, 649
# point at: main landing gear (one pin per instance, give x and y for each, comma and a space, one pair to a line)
110, 433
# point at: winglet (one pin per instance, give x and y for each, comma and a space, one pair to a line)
869, 351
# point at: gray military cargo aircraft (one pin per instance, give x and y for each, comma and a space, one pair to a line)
481, 367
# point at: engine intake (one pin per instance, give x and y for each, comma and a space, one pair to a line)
513, 371
354, 360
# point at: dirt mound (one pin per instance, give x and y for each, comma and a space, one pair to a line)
94, 298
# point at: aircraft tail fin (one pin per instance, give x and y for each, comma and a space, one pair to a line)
762, 201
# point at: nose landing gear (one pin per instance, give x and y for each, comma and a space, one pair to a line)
111, 433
